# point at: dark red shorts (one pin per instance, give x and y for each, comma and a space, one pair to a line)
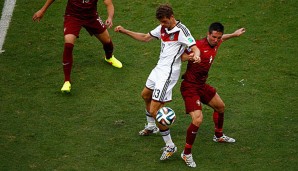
194, 95
73, 25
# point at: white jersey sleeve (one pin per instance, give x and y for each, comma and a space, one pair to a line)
156, 32
186, 38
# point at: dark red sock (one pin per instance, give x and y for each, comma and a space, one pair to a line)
67, 60
190, 138
218, 119
108, 48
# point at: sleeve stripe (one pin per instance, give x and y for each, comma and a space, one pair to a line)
184, 29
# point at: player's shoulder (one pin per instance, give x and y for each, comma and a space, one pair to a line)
180, 24
183, 28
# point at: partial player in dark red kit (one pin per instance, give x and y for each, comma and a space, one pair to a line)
78, 14
196, 92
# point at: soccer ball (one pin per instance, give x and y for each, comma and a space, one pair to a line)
165, 116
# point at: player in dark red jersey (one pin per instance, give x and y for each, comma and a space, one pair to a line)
195, 91
78, 14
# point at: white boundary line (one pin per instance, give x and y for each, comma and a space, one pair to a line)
5, 20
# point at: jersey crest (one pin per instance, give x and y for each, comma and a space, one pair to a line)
169, 37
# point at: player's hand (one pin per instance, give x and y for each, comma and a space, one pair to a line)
196, 59
191, 56
37, 16
239, 32
118, 29
109, 23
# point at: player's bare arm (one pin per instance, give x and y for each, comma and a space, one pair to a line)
39, 14
187, 56
135, 35
236, 33
196, 56
110, 10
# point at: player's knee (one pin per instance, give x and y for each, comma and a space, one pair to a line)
197, 121
146, 96
221, 108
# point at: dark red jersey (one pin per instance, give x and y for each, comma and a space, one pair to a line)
81, 8
198, 72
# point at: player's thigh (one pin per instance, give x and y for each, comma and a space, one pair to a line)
95, 26
72, 26
191, 96
192, 102
146, 93
163, 90
217, 103
104, 37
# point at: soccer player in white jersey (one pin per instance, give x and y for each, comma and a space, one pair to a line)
175, 37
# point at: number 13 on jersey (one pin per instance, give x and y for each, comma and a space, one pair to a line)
156, 93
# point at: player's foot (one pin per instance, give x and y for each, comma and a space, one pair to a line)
66, 87
188, 159
223, 139
113, 61
167, 152
149, 130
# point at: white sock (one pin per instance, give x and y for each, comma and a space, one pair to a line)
150, 119
167, 138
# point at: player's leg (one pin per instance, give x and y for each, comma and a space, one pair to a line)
67, 61
162, 93
108, 47
71, 30
218, 118
218, 115
193, 106
170, 147
95, 26
197, 119
150, 127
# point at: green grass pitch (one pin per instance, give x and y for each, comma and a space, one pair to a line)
96, 126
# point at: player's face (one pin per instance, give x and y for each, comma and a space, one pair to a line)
168, 22
214, 37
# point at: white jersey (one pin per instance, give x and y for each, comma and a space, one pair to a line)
165, 75
173, 44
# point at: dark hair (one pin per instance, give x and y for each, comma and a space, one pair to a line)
164, 10
216, 26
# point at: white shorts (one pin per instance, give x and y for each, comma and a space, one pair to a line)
162, 87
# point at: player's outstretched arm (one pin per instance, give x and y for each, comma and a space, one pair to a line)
39, 14
236, 33
135, 35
